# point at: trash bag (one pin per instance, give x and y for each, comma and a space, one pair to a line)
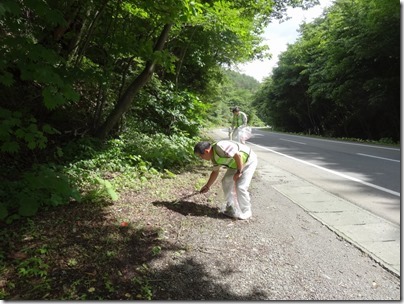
244, 133
236, 134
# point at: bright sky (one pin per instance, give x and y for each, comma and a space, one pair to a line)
278, 35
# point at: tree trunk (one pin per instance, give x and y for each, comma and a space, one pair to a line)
125, 100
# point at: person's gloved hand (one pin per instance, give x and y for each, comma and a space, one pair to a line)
204, 189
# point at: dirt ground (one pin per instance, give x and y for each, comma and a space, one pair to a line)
166, 242
280, 254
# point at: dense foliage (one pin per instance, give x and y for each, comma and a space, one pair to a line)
342, 77
90, 78
235, 90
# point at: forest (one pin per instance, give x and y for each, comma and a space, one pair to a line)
342, 77
134, 79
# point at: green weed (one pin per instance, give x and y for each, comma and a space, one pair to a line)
31, 267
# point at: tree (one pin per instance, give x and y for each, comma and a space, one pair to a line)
232, 26
346, 64
125, 100
74, 68
225, 32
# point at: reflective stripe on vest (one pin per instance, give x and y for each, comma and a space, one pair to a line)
237, 121
230, 162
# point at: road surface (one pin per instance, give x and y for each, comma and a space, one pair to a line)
365, 175
329, 186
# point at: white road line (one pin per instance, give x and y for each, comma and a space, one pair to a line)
332, 171
394, 160
297, 142
347, 143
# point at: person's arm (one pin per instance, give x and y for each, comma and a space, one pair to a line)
240, 166
212, 178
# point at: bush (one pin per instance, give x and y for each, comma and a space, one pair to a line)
40, 187
160, 150
96, 170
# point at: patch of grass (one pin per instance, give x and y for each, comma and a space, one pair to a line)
100, 248
82, 251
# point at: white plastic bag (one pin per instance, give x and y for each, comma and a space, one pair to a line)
235, 135
244, 133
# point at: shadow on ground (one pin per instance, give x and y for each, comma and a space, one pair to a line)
191, 281
185, 207
82, 252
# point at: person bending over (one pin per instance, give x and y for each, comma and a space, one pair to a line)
241, 163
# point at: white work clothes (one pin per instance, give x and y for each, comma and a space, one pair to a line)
238, 202
236, 193
239, 120
239, 124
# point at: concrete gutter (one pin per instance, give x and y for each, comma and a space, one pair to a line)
377, 237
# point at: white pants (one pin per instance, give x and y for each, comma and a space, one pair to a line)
236, 193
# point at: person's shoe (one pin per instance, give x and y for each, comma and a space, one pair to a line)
229, 211
245, 216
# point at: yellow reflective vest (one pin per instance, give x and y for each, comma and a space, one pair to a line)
230, 162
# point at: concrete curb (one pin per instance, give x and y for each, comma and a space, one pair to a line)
377, 237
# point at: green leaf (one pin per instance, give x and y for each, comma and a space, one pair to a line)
108, 187
52, 99
70, 93
20, 133
7, 78
10, 147
114, 196
12, 217
49, 129
4, 113
28, 205
56, 199
169, 173
76, 195
3, 211
51, 16
9, 6
31, 143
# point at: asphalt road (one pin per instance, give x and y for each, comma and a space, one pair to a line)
365, 175
306, 239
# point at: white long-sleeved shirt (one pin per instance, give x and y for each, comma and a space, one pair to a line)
239, 120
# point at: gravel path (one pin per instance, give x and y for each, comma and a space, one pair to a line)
281, 253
